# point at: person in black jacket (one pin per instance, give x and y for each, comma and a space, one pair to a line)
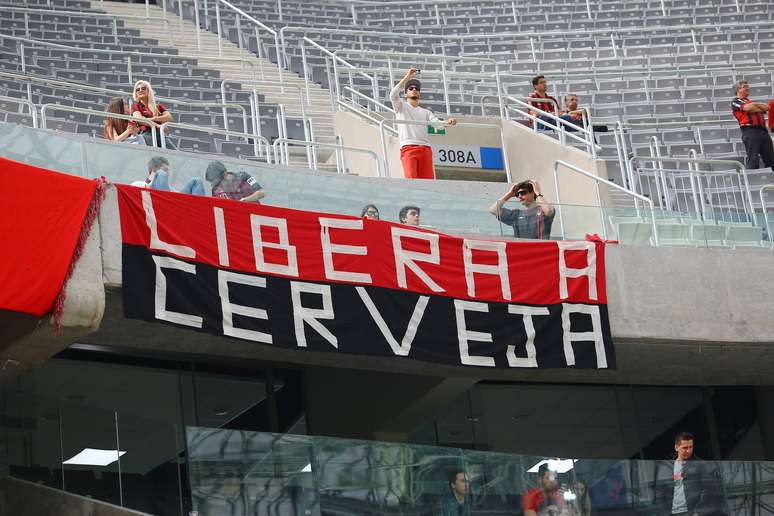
687, 485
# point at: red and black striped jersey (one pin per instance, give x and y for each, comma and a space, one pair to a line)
746, 118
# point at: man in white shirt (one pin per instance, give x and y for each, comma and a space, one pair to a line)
415, 152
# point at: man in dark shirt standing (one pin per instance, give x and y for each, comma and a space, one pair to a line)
549, 105
755, 137
535, 216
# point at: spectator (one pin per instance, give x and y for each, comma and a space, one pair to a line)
454, 502
571, 113
239, 186
549, 105
546, 498
370, 212
771, 118
581, 505
158, 178
145, 105
756, 139
415, 152
409, 215
117, 129
533, 219
694, 486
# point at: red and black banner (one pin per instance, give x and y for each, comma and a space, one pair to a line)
335, 283
44, 225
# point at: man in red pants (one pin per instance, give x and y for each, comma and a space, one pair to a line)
415, 152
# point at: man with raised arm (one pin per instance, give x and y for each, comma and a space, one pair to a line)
415, 152
533, 218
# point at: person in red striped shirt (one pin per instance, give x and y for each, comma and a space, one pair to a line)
756, 139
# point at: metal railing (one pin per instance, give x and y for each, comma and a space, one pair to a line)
763, 188
30, 106
141, 120
339, 148
560, 125
212, 130
97, 89
599, 180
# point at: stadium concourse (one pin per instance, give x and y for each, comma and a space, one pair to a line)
221, 294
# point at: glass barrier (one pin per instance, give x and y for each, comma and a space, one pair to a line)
91, 450
246, 473
334, 193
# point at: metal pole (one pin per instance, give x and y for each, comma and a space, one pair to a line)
383, 142
588, 9
115, 31
306, 77
445, 88
612, 42
118, 457
180, 14
601, 213
279, 62
354, 14
501, 104
506, 161
217, 24
663, 8
198, 26
695, 43
27, 24
559, 201
239, 40
147, 10
129, 68
532, 48
437, 15
279, 9
513, 11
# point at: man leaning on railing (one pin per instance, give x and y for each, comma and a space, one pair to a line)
415, 152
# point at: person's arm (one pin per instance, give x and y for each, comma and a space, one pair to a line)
541, 201
529, 512
497, 206
755, 107
163, 118
397, 105
255, 196
449, 121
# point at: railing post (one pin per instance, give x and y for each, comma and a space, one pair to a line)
532, 48
437, 15
129, 69
663, 8
513, 11
588, 9
279, 9
695, 43
217, 24
115, 31
383, 141
239, 40
559, 199
303, 65
147, 10
27, 25
445, 87
506, 160
198, 26
501, 104
180, 15
354, 13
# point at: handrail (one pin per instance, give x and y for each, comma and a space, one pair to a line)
99, 89
339, 59
126, 52
313, 166
30, 105
506, 161
370, 99
213, 130
599, 180
138, 119
589, 135
765, 187
82, 14
258, 23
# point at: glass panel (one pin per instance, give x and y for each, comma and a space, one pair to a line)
244, 473
90, 451
46, 149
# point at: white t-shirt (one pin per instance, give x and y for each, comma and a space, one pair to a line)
410, 134
679, 503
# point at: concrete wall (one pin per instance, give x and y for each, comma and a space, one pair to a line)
22, 498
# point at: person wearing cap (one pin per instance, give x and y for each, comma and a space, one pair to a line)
238, 186
415, 152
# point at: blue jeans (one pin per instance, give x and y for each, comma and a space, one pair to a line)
194, 186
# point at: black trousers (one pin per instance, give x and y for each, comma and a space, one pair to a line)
757, 143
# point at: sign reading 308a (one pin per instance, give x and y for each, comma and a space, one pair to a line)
467, 156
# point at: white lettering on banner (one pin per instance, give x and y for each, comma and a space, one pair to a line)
404, 347
155, 241
229, 309
595, 335
310, 316
464, 335
289, 269
328, 249
500, 270
465, 156
527, 312
220, 236
160, 296
408, 259
589, 271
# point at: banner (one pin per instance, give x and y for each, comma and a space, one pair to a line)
341, 284
45, 220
